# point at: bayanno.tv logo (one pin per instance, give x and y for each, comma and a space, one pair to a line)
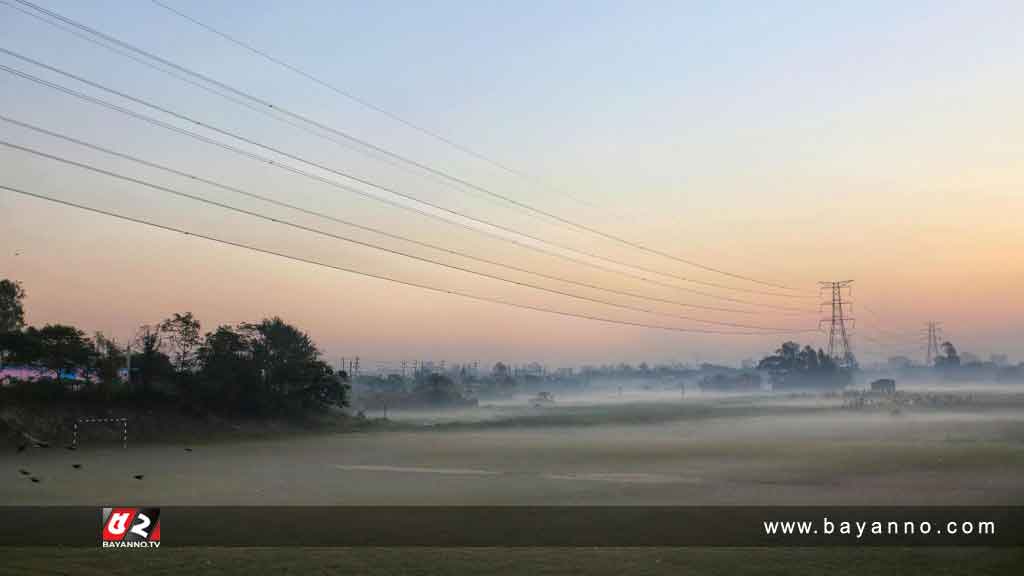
131, 528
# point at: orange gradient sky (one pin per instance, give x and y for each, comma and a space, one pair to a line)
875, 143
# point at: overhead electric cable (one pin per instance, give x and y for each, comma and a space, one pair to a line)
283, 222
368, 274
357, 225
364, 181
318, 178
384, 188
349, 95
321, 126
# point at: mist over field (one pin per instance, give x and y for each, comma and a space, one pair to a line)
643, 447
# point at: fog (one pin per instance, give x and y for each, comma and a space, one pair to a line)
931, 444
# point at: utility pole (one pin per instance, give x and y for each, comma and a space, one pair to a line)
934, 334
838, 340
128, 365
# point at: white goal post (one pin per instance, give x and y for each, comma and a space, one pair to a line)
122, 421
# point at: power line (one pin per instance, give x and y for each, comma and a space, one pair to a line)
907, 351
277, 164
349, 95
258, 109
354, 178
444, 174
895, 334
368, 274
384, 233
886, 336
374, 246
884, 345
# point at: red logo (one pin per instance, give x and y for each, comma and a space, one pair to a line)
131, 528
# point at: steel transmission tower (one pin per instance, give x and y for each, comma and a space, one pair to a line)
838, 339
934, 334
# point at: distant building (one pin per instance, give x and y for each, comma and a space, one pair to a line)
10, 374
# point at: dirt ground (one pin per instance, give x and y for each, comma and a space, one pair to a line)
724, 456
500, 562
801, 450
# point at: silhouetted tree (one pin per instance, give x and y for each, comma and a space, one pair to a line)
229, 374
181, 335
59, 349
150, 362
791, 365
109, 358
500, 371
267, 367
951, 357
438, 389
12, 310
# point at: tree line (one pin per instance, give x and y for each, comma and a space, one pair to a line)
794, 366
263, 368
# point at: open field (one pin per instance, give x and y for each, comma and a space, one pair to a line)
796, 450
488, 561
787, 449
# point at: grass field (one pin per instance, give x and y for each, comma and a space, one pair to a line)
722, 451
503, 561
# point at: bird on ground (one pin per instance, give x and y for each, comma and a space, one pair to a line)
24, 472
138, 476
35, 480
76, 466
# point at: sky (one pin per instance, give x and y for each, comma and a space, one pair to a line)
790, 142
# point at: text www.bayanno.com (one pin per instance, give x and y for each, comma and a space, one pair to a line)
862, 528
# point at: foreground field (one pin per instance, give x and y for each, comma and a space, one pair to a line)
487, 561
728, 452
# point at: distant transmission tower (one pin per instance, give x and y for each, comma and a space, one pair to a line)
934, 334
838, 340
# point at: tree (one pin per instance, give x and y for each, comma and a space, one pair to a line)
500, 371
784, 359
181, 335
808, 359
792, 365
20, 347
286, 355
150, 362
951, 357
60, 349
12, 310
229, 374
290, 362
438, 389
108, 359
267, 367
